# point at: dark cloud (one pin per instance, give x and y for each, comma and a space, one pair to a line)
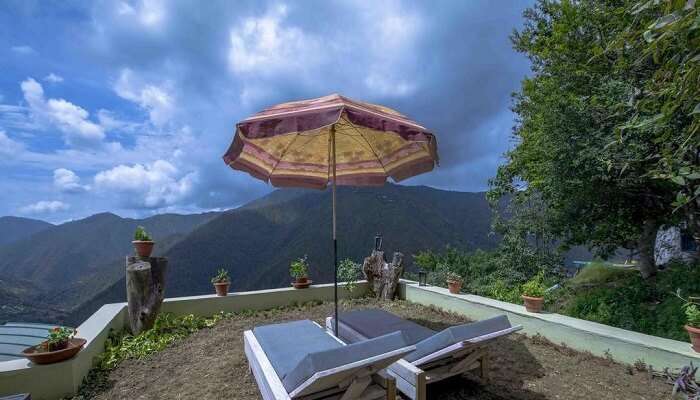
449, 65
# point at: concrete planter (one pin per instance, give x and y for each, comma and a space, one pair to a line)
694, 337
533, 304
454, 286
143, 248
222, 288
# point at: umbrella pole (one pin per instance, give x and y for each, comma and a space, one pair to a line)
335, 240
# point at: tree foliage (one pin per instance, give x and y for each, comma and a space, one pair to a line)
601, 123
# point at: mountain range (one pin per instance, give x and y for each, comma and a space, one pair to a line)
73, 268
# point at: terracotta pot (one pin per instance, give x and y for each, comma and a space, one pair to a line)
454, 286
533, 304
38, 355
694, 337
222, 288
302, 283
143, 248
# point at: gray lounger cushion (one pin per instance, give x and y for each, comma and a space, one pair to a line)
374, 323
327, 359
288, 343
299, 349
456, 334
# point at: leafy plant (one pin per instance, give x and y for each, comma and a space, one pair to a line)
141, 235
349, 272
59, 337
299, 268
452, 276
684, 384
535, 286
692, 313
691, 307
221, 277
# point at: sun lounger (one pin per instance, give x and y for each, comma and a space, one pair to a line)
438, 355
300, 360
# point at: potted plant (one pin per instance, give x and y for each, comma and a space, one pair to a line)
299, 269
143, 243
221, 282
533, 293
692, 313
454, 282
60, 345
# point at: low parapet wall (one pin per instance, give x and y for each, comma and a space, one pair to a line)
601, 340
49, 382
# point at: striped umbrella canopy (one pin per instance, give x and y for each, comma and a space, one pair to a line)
331, 140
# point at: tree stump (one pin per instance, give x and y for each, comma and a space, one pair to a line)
145, 290
383, 277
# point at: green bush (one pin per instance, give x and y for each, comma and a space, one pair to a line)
692, 313
349, 272
535, 287
630, 302
221, 277
141, 235
299, 268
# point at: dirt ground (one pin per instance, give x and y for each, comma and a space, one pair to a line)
211, 364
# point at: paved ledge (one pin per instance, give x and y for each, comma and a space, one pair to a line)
623, 345
53, 381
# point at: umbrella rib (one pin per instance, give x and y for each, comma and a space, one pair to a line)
296, 136
370, 146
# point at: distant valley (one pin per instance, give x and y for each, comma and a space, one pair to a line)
63, 273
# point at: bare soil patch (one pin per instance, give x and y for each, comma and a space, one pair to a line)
211, 364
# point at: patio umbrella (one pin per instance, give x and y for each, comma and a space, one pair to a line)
331, 140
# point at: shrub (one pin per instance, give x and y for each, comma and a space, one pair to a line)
221, 277
58, 337
452, 276
141, 235
535, 286
299, 268
349, 272
692, 313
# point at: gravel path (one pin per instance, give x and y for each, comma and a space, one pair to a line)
211, 364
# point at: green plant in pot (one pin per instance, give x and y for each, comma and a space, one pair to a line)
533, 293
299, 270
143, 243
61, 344
692, 314
454, 282
221, 282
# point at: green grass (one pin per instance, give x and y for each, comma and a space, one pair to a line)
120, 346
597, 273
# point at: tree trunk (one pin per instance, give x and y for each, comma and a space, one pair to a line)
647, 245
145, 290
383, 278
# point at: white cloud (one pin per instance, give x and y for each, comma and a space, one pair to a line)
265, 45
44, 207
155, 185
71, 119
67, 181
156, 99
53, 78
23, 50
9, 147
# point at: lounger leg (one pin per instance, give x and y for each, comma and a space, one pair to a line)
484, 367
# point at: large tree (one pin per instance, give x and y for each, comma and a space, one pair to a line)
583, 150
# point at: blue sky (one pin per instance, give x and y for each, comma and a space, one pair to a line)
127, 106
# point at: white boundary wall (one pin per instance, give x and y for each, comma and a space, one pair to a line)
623, 345
53, 381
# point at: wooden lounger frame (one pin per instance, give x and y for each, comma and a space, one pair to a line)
412, 377
361, 380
